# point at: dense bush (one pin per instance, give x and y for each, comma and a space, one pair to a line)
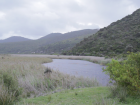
9, 90
126, 73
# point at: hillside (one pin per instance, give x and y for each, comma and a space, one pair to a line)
35, 46
14, 39
58, 47
117, 38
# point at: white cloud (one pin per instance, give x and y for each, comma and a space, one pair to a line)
2, 15
89, 24
80, 23
36, 18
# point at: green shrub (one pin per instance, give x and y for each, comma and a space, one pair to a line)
11, 92
49, 98
5, 97
126, 73
119, 92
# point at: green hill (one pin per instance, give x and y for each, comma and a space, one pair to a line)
117, 38
14, 39
61, 46
40, 45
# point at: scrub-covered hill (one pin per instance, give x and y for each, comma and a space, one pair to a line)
117, 38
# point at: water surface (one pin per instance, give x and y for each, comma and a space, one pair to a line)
80, 68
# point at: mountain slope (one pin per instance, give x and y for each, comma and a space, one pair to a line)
34, 46
119, 37
14, 39
61, 46
55, 37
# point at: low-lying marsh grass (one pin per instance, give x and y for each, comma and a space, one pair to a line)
98, 60
94, 59
31, 76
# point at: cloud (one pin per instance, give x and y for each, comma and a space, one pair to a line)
36, 18
2, 15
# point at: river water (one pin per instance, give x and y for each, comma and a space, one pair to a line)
80, 68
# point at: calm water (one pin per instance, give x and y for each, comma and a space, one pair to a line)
80, 68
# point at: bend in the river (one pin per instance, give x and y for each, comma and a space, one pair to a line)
80, 68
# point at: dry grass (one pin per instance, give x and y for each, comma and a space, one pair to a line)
29, 72
94, 59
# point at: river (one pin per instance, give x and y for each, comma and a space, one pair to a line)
80, 68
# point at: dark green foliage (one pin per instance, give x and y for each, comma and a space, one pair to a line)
61, 46
76, 93
119, 92
49, 98
11, 91
118, 38
12, 85
48, 70
126, 73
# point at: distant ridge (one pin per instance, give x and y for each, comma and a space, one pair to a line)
14, 39
118, 38
49, 44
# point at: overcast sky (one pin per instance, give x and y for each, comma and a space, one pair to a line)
36, 18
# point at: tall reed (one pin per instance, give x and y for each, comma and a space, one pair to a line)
29, 72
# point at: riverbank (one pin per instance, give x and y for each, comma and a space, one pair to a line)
94, 59
29, 75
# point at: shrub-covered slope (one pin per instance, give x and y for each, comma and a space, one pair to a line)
119, 37
58, 47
